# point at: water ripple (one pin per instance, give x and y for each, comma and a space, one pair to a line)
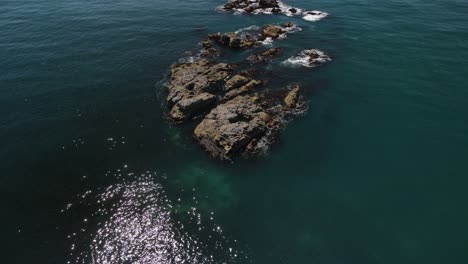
135, 222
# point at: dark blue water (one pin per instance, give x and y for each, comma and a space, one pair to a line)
374, 173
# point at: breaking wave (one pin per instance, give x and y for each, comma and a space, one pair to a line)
307, 58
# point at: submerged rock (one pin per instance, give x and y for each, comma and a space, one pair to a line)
233, 40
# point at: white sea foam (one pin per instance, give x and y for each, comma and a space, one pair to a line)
266, 11
293, 29
189, 59
248, 29
307, 58
289, 10
314, 15
267, 42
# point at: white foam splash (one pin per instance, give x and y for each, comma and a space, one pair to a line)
307, 58
314, 15
289, 10
292, 29
247, 29
267, 42
189, 59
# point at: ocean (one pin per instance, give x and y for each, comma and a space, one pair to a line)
92, 171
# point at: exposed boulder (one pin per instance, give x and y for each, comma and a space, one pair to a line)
264, 56
247, 88
190, 86
230, 127
233, 40
236, 81
208, 50
292, 98
187, 108
271, 31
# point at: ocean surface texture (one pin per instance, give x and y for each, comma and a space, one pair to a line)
91, 171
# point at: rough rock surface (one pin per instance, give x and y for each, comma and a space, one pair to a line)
191, 85
235, 114
187, 108
271, 31
247, 88
230, 127
251, 5
236, 81
242, 40
292, 98
233, 40
264, 56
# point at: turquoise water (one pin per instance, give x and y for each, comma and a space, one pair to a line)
375, 173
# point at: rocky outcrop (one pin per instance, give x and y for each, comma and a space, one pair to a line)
292, 99
192, 87
235, 114
242, 40
244, 89
236, 81
264, 56
230, 127
187, 108
243, 120
246, 125
208, 50
271, 31
233, 40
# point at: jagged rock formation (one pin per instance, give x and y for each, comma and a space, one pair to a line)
236, 115
264, 56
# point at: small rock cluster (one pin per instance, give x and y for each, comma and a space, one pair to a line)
235, 114
271, 7
235, 40
250, 6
